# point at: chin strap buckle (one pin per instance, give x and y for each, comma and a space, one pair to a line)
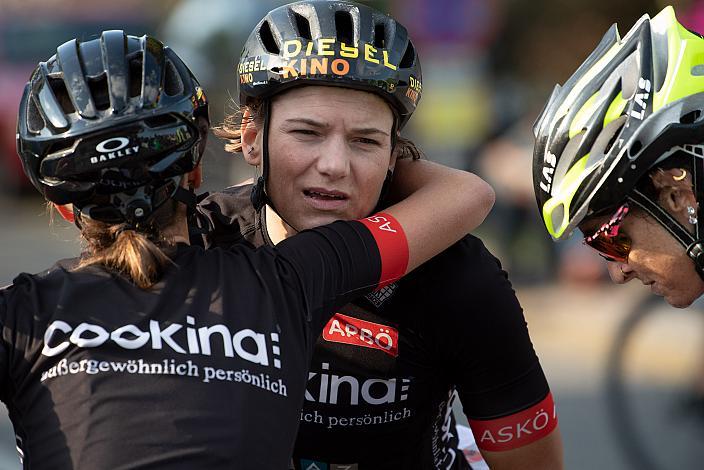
258, 195
696, 252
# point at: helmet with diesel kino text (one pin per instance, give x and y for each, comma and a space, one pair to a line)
333, 43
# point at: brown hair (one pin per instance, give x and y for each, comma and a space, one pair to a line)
139, 254
230, 131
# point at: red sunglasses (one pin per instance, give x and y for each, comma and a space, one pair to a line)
611, 244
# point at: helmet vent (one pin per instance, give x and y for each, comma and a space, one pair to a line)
613, 138
135, 76
636, 146
379, 35
60, 146
173, 85
59, 88
660, 58
604, 142
303, 26
160, 121
408, 57
690, 117
99, 90
267, 39
35, 121
344, 27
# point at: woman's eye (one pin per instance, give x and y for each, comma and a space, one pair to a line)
304, 132
366, 141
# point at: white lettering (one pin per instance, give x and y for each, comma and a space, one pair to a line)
260, 356
335, 328
247, 344
158, 335
387, 397
48, 335
100, 335
387, 227
141, 337
205, 332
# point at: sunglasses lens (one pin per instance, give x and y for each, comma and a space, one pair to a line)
612, 248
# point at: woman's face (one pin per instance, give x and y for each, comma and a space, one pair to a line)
655, 258
329, 152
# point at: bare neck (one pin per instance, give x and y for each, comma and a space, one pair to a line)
276, 228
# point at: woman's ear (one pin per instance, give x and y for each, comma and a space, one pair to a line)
675, 193
251, 141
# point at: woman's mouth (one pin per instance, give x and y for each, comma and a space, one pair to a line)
325, 199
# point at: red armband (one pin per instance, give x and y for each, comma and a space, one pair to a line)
393, 246
516, 430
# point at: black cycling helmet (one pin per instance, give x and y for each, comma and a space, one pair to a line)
330, 42
109, 125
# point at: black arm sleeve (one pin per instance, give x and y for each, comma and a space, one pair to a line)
486, 346
335, 263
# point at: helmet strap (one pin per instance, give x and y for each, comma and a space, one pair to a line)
259, 197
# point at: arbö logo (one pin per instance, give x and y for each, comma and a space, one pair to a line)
246, 343
356, 332
113, 148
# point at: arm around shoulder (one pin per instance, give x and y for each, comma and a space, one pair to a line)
437, 206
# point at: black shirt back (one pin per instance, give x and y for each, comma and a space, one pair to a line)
206, 370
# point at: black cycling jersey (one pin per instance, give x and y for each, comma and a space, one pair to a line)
205, 370
386, 366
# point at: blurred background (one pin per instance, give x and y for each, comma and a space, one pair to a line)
488, 67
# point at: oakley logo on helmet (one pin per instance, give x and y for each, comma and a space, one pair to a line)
112, 148
356, 332
640, 99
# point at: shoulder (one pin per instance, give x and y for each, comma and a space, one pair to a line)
28, 289
231, 215
467, 263
230, 200
464, 293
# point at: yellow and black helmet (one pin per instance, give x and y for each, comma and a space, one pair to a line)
632, 104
